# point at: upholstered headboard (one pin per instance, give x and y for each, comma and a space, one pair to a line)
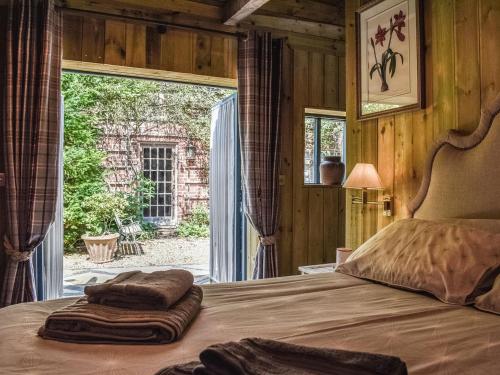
462, 174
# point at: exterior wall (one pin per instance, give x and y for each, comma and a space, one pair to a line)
125, 161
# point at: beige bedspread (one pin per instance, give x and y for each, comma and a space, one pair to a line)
329, 310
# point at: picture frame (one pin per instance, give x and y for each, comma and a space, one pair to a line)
389, 58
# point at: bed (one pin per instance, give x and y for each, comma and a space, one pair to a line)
328, 310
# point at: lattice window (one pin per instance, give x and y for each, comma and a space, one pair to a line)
158, 166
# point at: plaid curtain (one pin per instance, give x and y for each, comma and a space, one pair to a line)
30, 102
259, 92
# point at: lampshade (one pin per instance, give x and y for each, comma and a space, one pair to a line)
364, 176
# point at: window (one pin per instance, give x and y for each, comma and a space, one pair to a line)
324, 136
158, 167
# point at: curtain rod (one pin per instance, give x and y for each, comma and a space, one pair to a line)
236, 34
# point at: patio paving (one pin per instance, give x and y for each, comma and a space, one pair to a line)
159, 254
76, 280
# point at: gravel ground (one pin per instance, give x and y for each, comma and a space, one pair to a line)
157, 252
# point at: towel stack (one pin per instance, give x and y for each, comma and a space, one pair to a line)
132, 308
255, 356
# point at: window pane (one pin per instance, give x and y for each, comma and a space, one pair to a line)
309, 150
326, 133
158, 165
331, 137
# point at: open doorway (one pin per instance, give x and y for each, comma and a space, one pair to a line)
136, 166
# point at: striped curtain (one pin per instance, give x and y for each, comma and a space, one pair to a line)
30, 103
259, 92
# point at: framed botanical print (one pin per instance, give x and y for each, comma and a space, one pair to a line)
390, 74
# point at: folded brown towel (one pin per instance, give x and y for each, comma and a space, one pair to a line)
255, 356
139, 290
183, 369
91, 323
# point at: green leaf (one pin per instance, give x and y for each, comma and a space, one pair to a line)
373, 69
392, 66
400, 55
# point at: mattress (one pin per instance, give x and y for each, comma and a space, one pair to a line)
326, 310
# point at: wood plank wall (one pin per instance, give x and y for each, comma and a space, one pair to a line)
312, 216
462, 63
312, 223
115, 42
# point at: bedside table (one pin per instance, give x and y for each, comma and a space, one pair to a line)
317, 268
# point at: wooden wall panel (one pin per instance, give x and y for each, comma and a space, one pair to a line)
115, 43
153, 48
489, 17
462, 63
332, 82
203, 55
312, 221
140, 45
354, 214
467, 71
286, 185
300, 193
93, 40
177, 50
135, 46
385, 161
72, 45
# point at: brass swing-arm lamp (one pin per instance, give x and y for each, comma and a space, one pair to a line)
364, 177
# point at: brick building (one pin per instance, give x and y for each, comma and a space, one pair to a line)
166, 155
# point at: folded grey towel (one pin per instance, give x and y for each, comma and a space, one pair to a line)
254, 356
91, 323
142, 291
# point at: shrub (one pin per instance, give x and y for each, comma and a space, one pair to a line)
196, 225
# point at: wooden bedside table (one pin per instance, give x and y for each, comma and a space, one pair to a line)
317, 268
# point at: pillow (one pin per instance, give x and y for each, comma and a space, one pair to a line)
490, 301
489, 225
453, 262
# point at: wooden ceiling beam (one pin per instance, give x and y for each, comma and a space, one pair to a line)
151, 8
144, 14
297, 26
236, 11
332, 13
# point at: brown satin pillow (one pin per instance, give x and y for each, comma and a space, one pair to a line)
490, 301
453, 262
489, 225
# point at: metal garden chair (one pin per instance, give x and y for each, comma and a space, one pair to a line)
129, 233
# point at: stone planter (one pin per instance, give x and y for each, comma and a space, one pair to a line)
101, 249
331, 171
